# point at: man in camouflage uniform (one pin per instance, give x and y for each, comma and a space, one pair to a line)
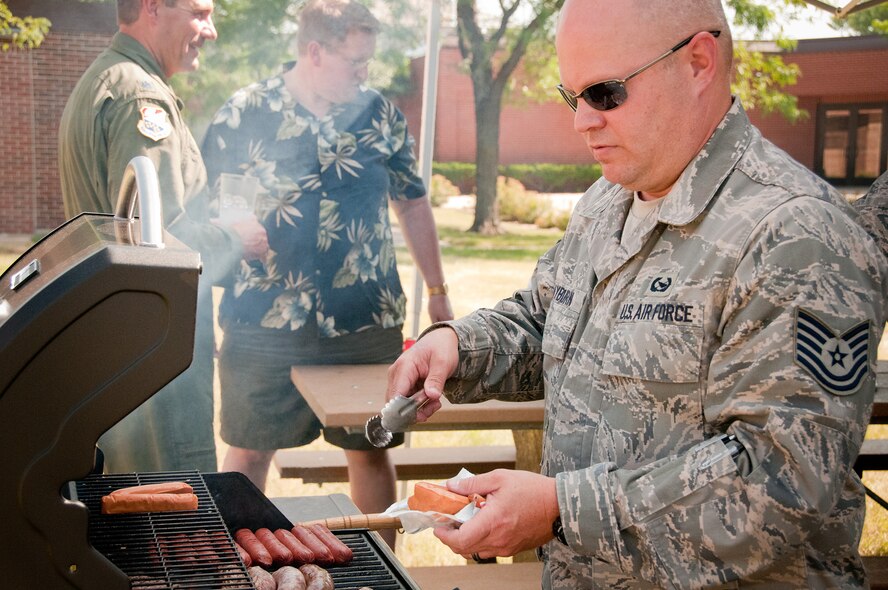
123, 107
707, 361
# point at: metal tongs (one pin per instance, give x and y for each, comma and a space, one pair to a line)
396, 416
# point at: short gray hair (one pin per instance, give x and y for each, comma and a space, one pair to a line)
329, 22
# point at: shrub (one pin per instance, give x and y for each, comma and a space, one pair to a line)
554, 178
441, 189
548, 178
553, 218
461, 174
516, 203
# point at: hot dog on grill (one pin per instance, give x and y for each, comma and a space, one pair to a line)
316, 578
280, 555
341, 552
258, 553
301, 553
322, 553
289, 578
244, 555
156, 497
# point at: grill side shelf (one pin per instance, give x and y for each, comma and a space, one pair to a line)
164, 550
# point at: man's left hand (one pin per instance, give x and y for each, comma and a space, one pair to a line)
518, 514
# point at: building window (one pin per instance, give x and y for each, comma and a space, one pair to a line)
852, 142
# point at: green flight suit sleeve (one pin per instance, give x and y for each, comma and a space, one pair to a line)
181, 176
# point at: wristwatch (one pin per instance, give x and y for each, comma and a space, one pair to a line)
439, 290
558, 531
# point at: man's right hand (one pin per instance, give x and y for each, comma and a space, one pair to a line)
252, 236
424, 367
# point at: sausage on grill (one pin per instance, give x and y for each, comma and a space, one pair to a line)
262, 579
280, 555
316, 578
301, 553
322, 553
244, 555
258, 553
289, 578
341, 552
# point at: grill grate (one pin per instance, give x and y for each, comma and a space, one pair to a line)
164, 550
367, 567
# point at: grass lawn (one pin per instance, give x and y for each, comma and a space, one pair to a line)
480, 272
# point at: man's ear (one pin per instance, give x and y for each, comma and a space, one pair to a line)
150, 7
704, 57
313, 53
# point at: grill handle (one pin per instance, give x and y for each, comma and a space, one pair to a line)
140, 179
373, 522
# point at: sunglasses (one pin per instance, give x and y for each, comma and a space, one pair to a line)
607, 95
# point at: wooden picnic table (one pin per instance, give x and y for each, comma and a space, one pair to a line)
347, 395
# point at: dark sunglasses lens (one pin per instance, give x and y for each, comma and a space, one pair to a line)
605, 95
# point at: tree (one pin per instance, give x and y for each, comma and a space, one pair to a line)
492, 58
867, 22
256, 38
25, 32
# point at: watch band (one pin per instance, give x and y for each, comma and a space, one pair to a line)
439, 290
558, 531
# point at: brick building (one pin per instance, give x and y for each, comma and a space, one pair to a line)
844, 87
34, 86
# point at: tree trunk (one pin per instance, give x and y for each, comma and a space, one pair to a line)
487, 132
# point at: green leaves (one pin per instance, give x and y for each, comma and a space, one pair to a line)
25, 32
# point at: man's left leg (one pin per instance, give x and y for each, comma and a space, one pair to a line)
371, 476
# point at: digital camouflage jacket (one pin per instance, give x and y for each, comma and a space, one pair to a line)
752, 305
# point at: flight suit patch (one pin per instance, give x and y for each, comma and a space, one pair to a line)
154, 123
837, 362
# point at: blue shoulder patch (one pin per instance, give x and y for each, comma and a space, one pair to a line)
838, 363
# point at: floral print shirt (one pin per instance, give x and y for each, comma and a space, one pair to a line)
326, 184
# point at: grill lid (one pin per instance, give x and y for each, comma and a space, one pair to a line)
96, 328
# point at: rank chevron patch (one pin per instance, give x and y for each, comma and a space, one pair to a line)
838, 362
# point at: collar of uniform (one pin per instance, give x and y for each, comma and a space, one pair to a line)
706, 173
132, 49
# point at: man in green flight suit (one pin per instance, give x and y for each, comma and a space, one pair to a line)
123, 107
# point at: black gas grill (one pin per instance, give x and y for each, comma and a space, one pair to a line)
94, 319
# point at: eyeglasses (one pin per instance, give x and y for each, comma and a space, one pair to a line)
357, 64
607, 95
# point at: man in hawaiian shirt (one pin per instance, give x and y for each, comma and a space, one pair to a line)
330, 155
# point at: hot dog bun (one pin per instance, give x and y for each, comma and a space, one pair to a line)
159, 497
430, 497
